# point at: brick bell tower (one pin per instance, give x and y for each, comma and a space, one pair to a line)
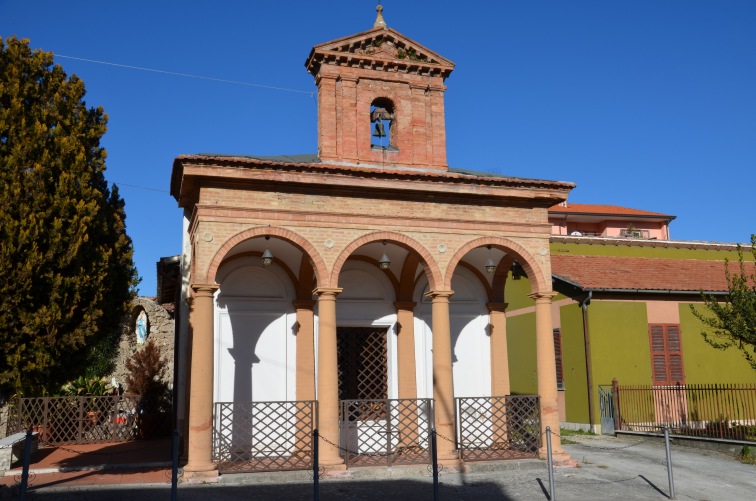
380, 100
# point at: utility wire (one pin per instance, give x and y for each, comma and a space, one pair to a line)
139, 187
236, 82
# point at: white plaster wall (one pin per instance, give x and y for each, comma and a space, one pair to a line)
255, 345
471, 344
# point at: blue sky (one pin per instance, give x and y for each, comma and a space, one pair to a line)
649, 104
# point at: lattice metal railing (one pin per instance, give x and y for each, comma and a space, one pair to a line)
386, 432
78, 420
263, 436
498, 427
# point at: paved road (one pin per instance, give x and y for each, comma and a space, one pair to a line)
609, 468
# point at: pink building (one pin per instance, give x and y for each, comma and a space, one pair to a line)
589, 220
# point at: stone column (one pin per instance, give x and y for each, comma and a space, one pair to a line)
328, 380
407, 374
305, 367
405, 318
200, 443
305, 349
499, 353
497, 324
546, 371
443, 383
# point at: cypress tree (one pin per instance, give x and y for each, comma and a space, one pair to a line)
66, 269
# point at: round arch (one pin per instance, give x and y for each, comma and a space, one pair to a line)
431, 267
321, 271
534, 272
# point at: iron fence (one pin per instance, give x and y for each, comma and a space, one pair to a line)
724, 411
385, 432
76, 420
498, 427
264, 436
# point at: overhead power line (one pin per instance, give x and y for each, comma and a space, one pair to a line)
139, 187
174, 73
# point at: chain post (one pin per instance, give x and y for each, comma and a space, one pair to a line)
434, 462
27, 460
550, 464
174, 465
669, 464
315, 466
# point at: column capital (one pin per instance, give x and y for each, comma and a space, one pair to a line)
405, 305
303, 304
204, 290
492, 307
542, 296
326, 292
439, 294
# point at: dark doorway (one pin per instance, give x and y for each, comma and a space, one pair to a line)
363, 368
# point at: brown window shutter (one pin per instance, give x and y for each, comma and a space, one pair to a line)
558, 357
659, 369
674, 354
666, 354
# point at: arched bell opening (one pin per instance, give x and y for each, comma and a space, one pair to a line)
383, 124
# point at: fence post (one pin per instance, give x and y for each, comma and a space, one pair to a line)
27, 460
174, 465
550, 464
315, 467
19, 418
615, 396
669, 464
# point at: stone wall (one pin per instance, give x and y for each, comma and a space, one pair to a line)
160, 329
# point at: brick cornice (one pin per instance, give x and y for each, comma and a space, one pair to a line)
190, 171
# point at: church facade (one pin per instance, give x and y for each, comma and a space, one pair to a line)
374, 241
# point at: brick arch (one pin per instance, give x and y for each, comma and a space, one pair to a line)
319, 266
528, 262
431, 267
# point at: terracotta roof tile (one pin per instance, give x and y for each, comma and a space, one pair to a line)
306, 162
638, 273
603, 210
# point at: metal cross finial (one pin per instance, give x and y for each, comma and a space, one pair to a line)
379, 21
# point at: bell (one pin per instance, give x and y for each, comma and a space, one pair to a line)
379, 130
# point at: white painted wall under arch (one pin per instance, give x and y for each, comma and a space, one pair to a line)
471, 344
255, 345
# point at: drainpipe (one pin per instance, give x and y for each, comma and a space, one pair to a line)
584, 302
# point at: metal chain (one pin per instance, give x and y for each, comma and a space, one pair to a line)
446, 438
599, 447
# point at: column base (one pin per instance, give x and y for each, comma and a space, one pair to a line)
332, 463
198, 474
560, 459
335, 470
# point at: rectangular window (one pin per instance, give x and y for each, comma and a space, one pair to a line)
558, 358
666, 354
